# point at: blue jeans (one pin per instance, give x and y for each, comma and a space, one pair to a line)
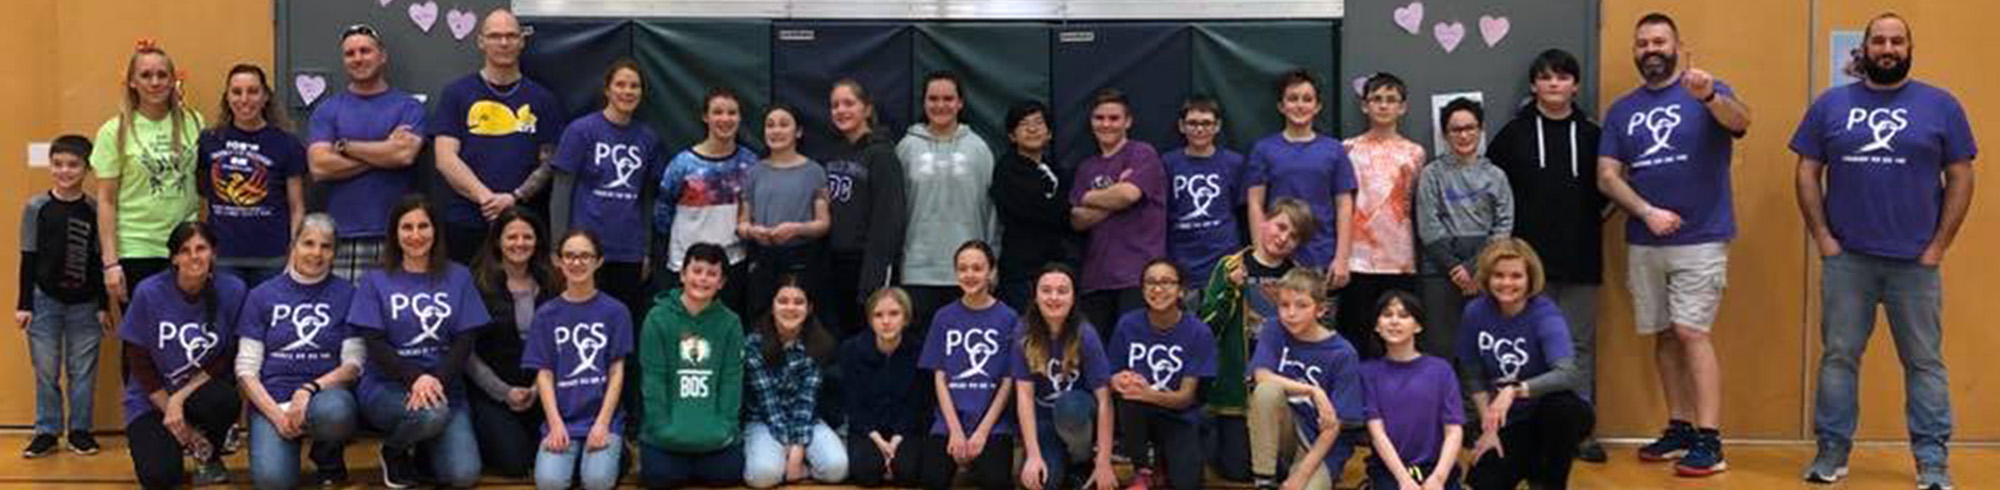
444, 433
1066, 434
599, 468
330, 421
63, 338
764, 456
1851, 285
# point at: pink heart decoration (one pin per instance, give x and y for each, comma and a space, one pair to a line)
1448, 35
1493, 29
1410, 17
424, 14
460, 22
1360, 83
384, 3
309, 87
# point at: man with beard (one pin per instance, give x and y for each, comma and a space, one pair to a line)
1664, 157
494, 132
1881, 223
363, 141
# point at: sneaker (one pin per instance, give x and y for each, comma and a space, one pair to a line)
330, 477
1673, 443
1704, 458
1827, 468
1264, 482
396, 469
1591, 452
211, 473
81, 442
233, 440
41, 445
1933, 478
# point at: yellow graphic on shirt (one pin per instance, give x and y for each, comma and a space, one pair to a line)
490, 118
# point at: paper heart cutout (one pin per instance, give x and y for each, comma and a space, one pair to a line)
424, 14
384, 3
1360, 83
1448, 35
309, 87
1410, 17
1493, 29
460, 22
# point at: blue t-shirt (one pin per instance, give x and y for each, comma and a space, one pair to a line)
1165, 359
1516, 348
242, 180
301, 327
611, 163
578, 342
1331, 364
1677, 157
1883, 151
361, 203
972, 348
420, 314
178, 334
1315, 172
500, 134
1201, 217
1093, 371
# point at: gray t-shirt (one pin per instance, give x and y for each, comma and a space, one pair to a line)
783, 194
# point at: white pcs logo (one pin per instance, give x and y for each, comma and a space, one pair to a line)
431, 309
1659, 122
980, 345
624, 160
194, 340
307, 320
1201, 190
1162, 360
588, 339
1508, 353
1883, 125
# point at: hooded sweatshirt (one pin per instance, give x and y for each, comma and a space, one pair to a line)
1460, 207
692, 371
947, 178
870, 211
1551, 165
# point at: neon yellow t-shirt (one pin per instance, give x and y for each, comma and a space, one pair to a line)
156, 183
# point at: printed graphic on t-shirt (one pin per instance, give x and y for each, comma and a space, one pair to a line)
193, 340
587, 340
307, 321
1059, 381
695, 351
242, 177
1298, 370
164, 177
981, 346
431, 310
625, 163
928, 165
1159, 362
840, 178
1507, 353
1883, 124
1659, 124
492, 118
1199, 190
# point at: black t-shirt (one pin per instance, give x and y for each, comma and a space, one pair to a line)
59, 253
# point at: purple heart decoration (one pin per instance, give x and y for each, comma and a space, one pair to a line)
424, 15
1360, 83
460, 22
384, 3
1410, 17
1493, 29
309, 87
1448, 35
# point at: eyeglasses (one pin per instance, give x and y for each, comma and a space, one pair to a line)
362, 29
578, 257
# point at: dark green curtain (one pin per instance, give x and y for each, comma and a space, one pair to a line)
684, 58
1000, 64
1239, 64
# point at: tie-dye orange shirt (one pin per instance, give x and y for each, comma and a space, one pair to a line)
1386, 172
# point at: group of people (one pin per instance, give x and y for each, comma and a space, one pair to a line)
918, 308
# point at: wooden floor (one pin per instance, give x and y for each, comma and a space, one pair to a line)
1758, 466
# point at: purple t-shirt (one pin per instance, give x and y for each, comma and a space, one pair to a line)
242, 181
964, 344
1165, 359
1315, 172
611, 164
577, 342
1122, 244
301, 327
1677, 157
361, 203
177, 334
1517, 348
420, 314
1414, 400
1091, 372
1883, 152
1201, 217
1332, 364
500, 134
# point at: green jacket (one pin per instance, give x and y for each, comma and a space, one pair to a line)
691, 373
1223, 308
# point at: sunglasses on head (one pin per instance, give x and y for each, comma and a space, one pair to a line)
361, 29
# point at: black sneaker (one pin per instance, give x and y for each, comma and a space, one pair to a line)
330, 477
1673, 443
1591, 452
329, 463
81, 442
41, 445
397, 469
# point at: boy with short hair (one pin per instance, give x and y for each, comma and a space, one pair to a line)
1237, 299
692, 378
61, 299
1384, 255
1207, 192
1307, 378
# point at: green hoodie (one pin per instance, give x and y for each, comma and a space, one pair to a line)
691, 373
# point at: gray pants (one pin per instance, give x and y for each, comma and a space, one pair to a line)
1578, 303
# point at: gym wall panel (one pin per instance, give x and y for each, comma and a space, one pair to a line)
1000, 64
807, 57
420, 61
569, 57
683, 59
1239, 64
1149, 62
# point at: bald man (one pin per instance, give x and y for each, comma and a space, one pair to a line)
495, 131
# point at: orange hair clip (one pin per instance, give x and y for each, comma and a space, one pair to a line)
145, 44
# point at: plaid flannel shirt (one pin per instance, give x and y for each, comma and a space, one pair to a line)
785, 393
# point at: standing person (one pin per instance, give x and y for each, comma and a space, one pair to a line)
511, 272
949, 170
885, 396
61, 300
577, 347
1386, 165
698, 196
1545, 152
603, 166
971, 429
493, 136
1303, 164
1463, 203
1121, 204
1882, 223
1515, 361
1161, 357
296, 362
252, 178
1415, 415
144, 163
179, 346
1033, 203
1060, 376
1669, 169
870, 211
784, 441
1307, 379
1242, 292
785, 211
1207, 194
691, 353
362, 142
419, 315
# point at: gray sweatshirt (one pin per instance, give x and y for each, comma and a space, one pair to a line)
1460, 208
947, 178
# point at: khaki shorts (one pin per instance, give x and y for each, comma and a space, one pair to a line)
1676, 285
